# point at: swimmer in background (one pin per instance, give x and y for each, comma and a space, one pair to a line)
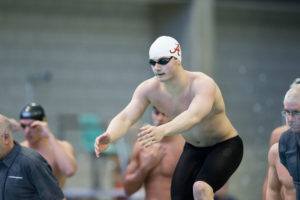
38, 136
153, 167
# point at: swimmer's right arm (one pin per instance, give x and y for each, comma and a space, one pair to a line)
273, 184
120, 124
135, 175
140, 167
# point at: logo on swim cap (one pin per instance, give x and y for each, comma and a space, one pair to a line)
165, 46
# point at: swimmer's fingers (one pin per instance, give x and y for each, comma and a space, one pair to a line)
145, 130
147, 126
101, 143
147, 142
146, 138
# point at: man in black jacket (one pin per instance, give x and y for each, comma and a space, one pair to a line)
24, 174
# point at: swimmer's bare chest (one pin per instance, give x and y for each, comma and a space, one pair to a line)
209, 131
171, 105
172, 150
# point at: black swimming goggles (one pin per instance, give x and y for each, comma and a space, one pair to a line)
161, 61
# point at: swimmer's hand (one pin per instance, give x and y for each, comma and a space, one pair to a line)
42, 128
101, 143
150, 135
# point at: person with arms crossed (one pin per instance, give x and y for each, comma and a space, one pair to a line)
59, 154
213, 149
289, 142
24, 173
153, 167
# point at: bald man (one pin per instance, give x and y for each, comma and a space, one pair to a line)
24, 173
280, 183
289, 143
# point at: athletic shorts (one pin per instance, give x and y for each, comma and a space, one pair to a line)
213, 165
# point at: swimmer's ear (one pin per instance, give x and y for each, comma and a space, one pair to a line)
177, 60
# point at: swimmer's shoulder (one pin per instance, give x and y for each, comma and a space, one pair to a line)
149, 84
200, 78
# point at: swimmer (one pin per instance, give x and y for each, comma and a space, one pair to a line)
194, 103
38, 136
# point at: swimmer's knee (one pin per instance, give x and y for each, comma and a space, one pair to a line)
202, 189
202, 186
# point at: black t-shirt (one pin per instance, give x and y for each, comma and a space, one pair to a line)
289, 153
26, 175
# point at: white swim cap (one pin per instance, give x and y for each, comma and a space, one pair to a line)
295, 82
165, 46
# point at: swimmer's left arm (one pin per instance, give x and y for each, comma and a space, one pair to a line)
64, 156
273, 184
63, 151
